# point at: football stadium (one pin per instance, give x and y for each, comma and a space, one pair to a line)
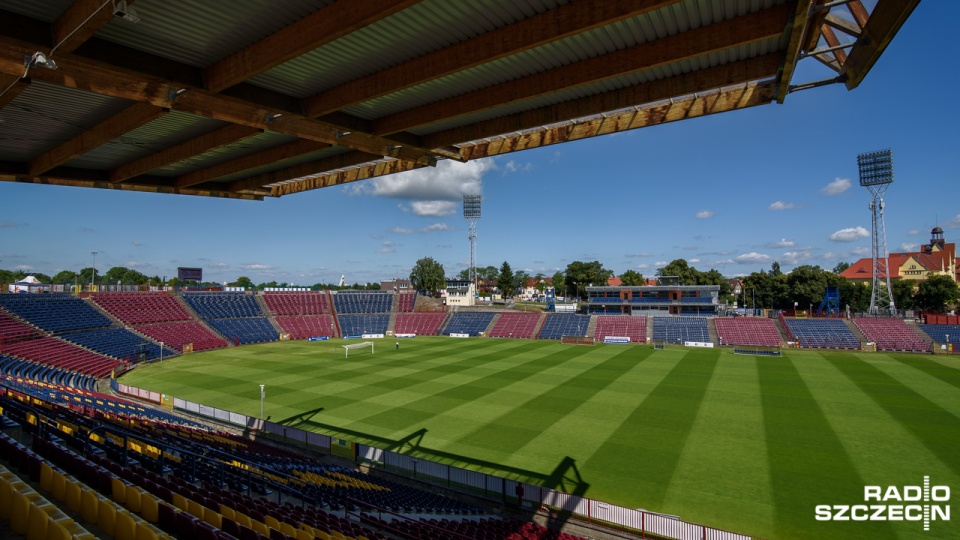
186, 409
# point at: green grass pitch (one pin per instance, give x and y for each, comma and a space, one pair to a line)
749, 444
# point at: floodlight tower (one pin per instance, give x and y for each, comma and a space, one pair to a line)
471, 211
876, 173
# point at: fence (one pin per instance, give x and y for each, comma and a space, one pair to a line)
475, 483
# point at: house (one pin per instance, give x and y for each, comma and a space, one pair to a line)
936, 258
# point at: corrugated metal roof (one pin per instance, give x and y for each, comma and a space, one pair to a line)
305, 158
418, 30
200, 33
250, 145
42, 10
597, 42
633, 79
168, 130
46, 115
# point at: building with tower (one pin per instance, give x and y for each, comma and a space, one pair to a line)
936, 258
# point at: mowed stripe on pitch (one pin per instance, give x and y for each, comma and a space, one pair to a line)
639, 457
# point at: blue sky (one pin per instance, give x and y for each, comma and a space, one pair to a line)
734, 192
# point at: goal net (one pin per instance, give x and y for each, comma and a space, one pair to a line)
357, 346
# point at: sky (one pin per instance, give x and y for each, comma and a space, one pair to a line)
734, 191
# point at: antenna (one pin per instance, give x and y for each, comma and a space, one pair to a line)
876, 173
471, 211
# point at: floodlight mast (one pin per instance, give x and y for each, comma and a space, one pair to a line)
471, 211
876, 173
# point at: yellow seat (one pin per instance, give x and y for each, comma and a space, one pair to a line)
149, 507
322, 535
227, 512
46, 476
304, 535
107, 517
19, 512
180, 501
56, 531
271, 522
126, 526
260, 527
195, 509
243, 519
288, 529
72, 493
59, 488
146, 531
6, 498
118, 490
37, 521
89, 505
77, 532
134, 496
212, 517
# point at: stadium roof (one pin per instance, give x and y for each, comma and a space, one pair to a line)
251, 99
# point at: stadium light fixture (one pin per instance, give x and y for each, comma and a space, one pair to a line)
93, 275
262, 395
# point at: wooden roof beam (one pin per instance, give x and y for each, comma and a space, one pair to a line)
881, 27
669, 50
123, 122
858, 12
831, 40
797, 28
345, 176
839, 23
252, 161
80, 22
349, 159
109, 80
185, 150
753, 69
549, 26
723, 100
63, 176
319, 28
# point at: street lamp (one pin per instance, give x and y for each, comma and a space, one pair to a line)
262, 395
93, 277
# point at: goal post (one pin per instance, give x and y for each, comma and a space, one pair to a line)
363, 345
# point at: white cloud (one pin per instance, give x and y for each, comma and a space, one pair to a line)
836, 187
849, 234
660, 264
860, 250
723, 262
752, 257
953, 223
907, 246
636, 255
913, 232
27, 268
782, 243
254, 266
828, 256
135, 264
512, 166
435, 227
401, 230
643, 266
386, 248
693, 261
433, 208
136, 243
704, 214
449, 180
780, 205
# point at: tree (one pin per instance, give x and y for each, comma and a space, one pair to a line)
427, 276
937, 293
506, 281
775, 269
807, 285
580, 274
680, 268
840, 267
243, 281
559, 285
464, 274
632, 278
124, 275
540, 282
64, 276
904, 293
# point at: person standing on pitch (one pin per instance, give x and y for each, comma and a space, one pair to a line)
398, 345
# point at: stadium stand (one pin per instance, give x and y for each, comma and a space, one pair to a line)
747, 331
223, 305
515, 325
297, 303
118, 343
307, 326
177, 334
422, 324
142, 307
681, 329
243, 330
23, 341
822, 334
943, 333
54, 312
356, 324
634, 328
362, 302
469, 323
558, 325
891, 334
406, 301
